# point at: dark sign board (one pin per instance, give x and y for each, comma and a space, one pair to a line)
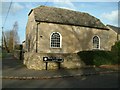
54, 59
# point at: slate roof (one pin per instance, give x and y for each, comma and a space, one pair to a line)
116, 29
65, 16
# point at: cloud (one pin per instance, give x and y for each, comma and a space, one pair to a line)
111, 17
15, 7
67, 4
29, 5
5, 7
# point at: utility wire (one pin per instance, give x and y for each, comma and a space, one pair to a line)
3, 36
7, 14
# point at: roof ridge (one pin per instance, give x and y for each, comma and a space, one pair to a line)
61, 8
112, 26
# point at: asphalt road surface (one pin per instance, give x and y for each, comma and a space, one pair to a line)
94, 81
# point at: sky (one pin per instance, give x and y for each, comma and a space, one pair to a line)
107, 12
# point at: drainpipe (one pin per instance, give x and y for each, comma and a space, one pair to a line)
37, 37
117, 35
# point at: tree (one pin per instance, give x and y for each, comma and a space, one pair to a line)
4, 42
16, 39
11, 37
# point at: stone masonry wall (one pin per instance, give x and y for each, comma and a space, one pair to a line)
35, 61
74, 38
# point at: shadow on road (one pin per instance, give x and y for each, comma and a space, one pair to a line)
11, 62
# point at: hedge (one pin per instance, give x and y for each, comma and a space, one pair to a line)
98, 57
116, 52
95, 57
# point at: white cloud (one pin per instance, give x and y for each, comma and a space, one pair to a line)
29, 5
16, 7
4, 9
112, 17
67, 8
67, 4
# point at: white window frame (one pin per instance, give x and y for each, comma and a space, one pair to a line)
60, 40
93, 43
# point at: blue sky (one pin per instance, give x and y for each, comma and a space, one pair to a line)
107, 12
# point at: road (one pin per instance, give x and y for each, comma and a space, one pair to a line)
94, 81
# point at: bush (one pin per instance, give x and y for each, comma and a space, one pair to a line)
96, 57
102, 57
115, 51
102, 61
87, 57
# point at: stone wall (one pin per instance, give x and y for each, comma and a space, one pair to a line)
74, 38
119, 36
35, 61
31, 31
18, 54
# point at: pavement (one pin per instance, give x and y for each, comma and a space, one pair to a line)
14, 69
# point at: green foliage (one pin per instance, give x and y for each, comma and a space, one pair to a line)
101, 61
115, 51
102, 57
3, 54
0, 54
98, 57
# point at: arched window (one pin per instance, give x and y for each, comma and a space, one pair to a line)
96, 42
55, 40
